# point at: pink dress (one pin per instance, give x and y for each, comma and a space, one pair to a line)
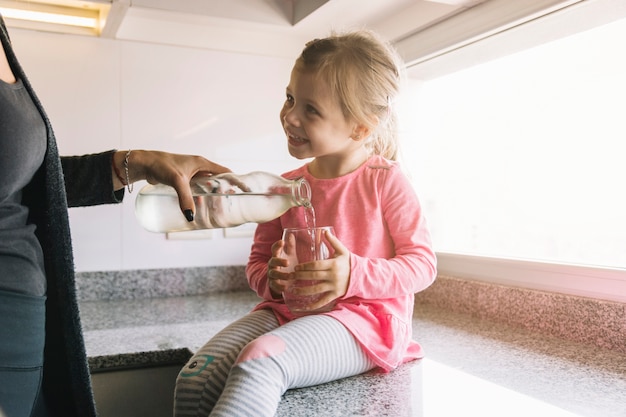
377, 216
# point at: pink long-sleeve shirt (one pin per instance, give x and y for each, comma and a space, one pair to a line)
376, 214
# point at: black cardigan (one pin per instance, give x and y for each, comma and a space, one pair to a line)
58, 184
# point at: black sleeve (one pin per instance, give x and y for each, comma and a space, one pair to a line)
88, 180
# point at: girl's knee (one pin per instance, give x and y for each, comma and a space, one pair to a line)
195, 366
262, 347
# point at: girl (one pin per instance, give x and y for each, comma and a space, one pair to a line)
338, 112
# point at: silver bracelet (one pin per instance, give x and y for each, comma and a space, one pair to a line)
129, 185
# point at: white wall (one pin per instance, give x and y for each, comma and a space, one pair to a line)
102, 94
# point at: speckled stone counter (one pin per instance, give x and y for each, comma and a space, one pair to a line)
475, 365
597, 322
159, 283
574, 378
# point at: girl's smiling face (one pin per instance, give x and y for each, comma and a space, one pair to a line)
313, 119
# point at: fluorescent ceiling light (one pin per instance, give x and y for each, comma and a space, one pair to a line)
59, 19
64, 16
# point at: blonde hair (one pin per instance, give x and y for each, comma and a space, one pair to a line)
364, 72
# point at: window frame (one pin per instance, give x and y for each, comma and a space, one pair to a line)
490, 30
579, 280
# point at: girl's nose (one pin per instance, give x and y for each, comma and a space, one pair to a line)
290, 117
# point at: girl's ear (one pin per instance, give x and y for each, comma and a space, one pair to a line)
361, 131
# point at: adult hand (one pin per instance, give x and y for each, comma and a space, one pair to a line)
175, 170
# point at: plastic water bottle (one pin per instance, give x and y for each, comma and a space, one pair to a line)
224, 200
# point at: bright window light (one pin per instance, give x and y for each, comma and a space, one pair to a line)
476, 396
521, 157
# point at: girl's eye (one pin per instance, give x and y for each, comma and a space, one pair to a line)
311, 110
289, 99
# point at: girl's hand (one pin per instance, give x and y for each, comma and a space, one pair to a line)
332, 275
277, 279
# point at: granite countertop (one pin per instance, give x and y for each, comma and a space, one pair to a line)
468, 362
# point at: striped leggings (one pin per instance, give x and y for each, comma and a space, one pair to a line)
246, 367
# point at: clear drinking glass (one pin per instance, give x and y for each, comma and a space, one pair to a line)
303, 245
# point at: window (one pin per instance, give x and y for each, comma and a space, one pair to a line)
521, 157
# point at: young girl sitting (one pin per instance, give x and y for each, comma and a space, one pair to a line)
339, 111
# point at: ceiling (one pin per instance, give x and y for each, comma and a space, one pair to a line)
419, 29
269, 27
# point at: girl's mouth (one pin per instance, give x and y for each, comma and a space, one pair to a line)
295, 140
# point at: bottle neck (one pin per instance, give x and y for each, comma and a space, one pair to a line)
301, 192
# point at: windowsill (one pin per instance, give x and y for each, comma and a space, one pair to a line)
582, 281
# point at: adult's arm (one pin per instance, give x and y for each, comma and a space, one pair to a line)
88, 180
